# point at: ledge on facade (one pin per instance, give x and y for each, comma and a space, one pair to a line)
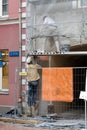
4, 17
4, 91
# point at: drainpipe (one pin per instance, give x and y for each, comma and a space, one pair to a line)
20, 58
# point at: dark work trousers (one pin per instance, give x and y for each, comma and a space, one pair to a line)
32, 92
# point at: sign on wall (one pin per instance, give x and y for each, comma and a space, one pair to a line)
14, 53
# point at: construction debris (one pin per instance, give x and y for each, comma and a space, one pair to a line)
65, 121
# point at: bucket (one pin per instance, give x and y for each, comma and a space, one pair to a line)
64, 47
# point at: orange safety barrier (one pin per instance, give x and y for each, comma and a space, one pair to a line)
57, 84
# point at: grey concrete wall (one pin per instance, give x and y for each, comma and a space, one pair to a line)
71, 24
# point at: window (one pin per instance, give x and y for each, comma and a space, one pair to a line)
82, 3
79, 3
4, 70
3, 7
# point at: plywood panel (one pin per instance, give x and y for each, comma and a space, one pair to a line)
57, 84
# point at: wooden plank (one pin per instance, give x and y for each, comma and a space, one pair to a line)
21, 121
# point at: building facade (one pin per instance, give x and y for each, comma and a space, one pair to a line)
13, 39
10, 55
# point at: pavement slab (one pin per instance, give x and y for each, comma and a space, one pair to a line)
7, 126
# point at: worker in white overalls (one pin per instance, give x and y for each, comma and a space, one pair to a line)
49, 28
